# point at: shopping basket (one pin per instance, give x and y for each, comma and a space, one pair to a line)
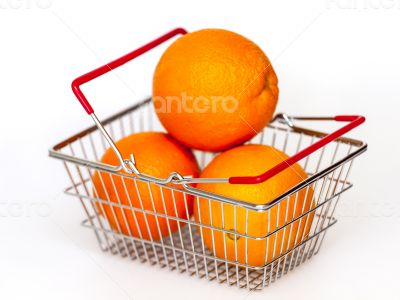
327, 159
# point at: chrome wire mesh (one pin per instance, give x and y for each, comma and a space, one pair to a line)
185, 249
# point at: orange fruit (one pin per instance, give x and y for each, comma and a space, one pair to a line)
156, 154
250, 160
214, 89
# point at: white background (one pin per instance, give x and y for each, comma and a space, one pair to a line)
332, 57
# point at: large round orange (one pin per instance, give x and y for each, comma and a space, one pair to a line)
252, 160
156, 154
214, 89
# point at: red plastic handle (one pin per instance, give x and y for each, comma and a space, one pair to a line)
115, 64
354, 122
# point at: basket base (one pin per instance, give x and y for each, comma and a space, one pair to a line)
190, 258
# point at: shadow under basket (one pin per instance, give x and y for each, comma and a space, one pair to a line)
184, 250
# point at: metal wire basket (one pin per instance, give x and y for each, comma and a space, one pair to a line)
327, 159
